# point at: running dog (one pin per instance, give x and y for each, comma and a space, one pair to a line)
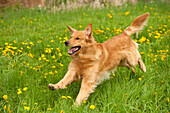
92, 62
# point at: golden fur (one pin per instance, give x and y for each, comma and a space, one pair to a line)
92, 62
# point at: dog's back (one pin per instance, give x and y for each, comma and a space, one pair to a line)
122, 50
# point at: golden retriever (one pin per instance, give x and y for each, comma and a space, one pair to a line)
92, 62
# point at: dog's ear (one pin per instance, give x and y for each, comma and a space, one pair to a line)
71, 29
88, 30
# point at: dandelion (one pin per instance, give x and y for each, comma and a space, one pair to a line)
69, 97
84, 101
21, 72
31, 43
143, 39
64, 97
60, 64
92, 107
53, 66
55, 72
140, 79
58, 49
80, 26
36, 103
60, 55
25, 89
141, 52
108, 29
126, 13
26, 108
5, 107
51, 73
5, 97
53, 56
61, 111
49, 109
167, 99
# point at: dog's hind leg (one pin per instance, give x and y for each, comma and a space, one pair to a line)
142, 65
124, 63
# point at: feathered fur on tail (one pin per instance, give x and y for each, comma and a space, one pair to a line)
137, 24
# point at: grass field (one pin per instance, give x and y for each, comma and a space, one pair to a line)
32, 55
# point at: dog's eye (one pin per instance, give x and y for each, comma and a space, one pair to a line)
77, 38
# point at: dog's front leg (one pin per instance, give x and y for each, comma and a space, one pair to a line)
87, 87
69, 77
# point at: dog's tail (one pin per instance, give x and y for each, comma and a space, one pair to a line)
137, 24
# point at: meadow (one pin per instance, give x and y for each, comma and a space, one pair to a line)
32, 55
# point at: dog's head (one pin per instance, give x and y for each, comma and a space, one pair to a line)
79, 39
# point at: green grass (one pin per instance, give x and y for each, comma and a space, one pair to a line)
20, 64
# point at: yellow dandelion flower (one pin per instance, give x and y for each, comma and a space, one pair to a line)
61, 64
60, 55
53, 56
80, 26
26, 108
58, 49
140, 79
92, 106
5, 107
108, 29
21, 72
154, 59
64, 97
61, 111
5, 97
84, 101
167, 99
143, 39
36, 103
126, 13
51, 73
53, 66
69, 97
31, 43
25, 89
49, 109
19, 92
141, 52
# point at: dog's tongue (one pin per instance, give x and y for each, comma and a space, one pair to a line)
71, 50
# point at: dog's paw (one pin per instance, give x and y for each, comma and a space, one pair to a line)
75, 105
56, 86
51, 86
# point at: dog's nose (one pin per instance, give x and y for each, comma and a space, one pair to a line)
66, 43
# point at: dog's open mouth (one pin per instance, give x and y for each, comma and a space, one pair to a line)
73, 50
